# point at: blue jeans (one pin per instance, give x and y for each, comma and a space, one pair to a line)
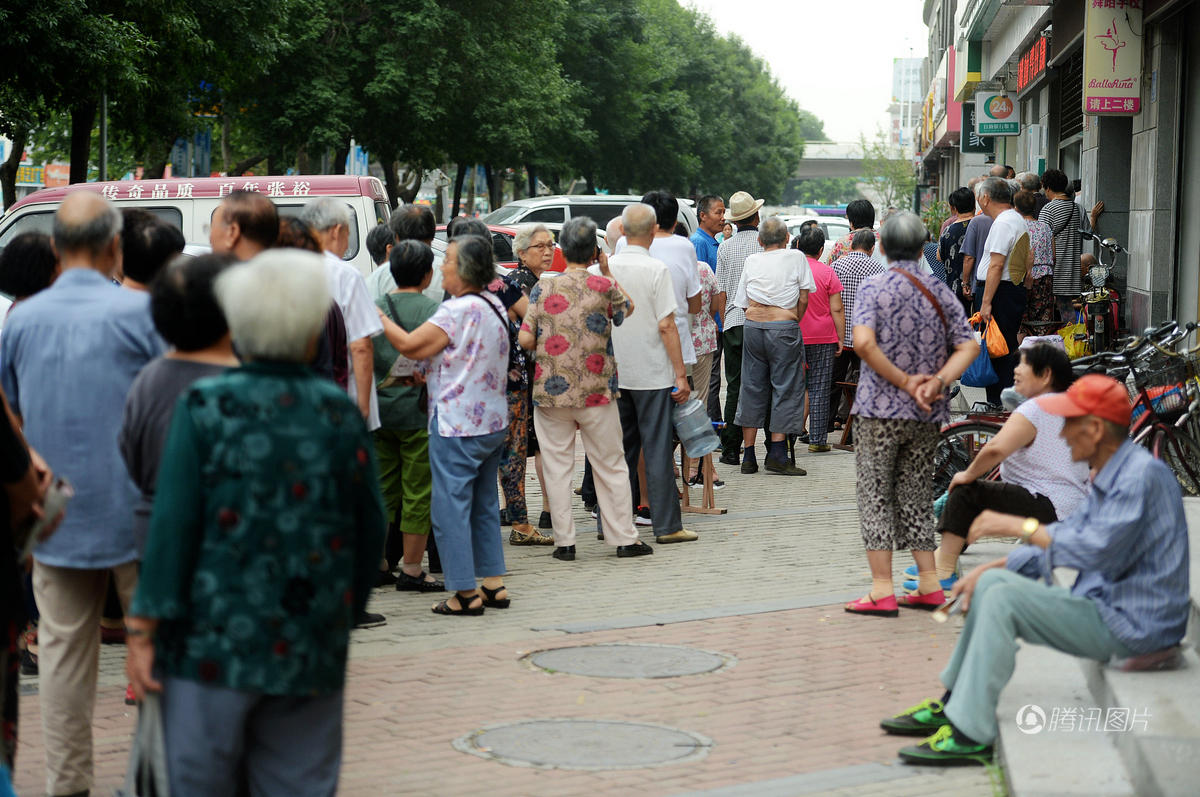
466, 510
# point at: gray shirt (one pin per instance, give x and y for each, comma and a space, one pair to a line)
148, 411
975, 238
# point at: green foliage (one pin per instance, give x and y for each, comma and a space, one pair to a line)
934, 216
892, 178
629, 94
821, 191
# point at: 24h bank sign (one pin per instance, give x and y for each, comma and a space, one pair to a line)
997, 114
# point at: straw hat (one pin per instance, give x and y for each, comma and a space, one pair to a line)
742, 206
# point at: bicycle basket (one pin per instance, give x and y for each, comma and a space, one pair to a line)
1163, 384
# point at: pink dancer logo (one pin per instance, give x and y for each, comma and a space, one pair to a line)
1112, 42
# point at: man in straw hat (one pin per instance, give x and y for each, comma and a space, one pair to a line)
1129, 543
731, 260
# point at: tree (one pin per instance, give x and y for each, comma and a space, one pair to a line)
892, 178
821, 191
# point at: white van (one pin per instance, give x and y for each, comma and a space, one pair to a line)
189, 204
600, 208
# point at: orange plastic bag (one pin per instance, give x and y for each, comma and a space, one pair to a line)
995, 340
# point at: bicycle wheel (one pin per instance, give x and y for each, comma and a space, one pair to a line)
958, 445
1182, 453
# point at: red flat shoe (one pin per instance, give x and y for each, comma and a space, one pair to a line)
884, 607
927, 602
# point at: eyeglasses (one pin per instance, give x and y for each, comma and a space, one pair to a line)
549, 245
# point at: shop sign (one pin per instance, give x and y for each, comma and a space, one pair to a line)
971, 140
30, 175
997, 114
1032, 64
1112, 57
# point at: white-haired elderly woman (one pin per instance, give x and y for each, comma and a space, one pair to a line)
912, 335
466, 345
534, 247
264, 541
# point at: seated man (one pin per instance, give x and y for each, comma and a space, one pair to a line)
1128, 540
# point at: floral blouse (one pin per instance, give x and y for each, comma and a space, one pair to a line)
467, 379
1041, 242
265, 535
704, 331
571, 317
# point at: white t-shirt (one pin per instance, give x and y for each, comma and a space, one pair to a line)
774, 278
1044, 467
680, 256
349, 290
642, 360
1007, 228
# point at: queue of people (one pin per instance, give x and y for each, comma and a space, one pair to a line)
266, 431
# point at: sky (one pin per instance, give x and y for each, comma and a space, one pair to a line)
834, 57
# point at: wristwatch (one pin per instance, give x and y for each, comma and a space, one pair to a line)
1029, 528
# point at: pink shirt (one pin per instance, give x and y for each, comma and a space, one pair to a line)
818, 325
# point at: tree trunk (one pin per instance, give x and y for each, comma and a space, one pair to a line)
302, 163
241, 167
390, 181
226, 130
410, 183
83, 118
472, 190
591, 184
495, 186
8, 169
339, 159
532, 180
459, 178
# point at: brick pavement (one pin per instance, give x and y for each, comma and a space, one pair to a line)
796, 714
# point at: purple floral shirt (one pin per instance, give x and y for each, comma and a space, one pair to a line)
704, 330
466, 380
910, 335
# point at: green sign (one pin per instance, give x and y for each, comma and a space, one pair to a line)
970, 140
997, 114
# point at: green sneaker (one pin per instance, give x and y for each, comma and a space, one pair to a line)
943, 750
920, 720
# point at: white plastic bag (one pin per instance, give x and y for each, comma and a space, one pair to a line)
147, 772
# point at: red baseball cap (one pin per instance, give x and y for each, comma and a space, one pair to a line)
1093, 394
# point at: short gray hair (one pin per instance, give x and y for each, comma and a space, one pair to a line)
325, 213
275, 303
773, 232
476, 265
578, 240
639, 220
998, 189
1030, 181
92, 234
524, 236
902, 236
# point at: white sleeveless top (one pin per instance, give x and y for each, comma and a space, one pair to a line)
1044, 467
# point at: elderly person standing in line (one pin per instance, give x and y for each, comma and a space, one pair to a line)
264, 539
1039, 282
534, 246
912, 336
569, 327
706, 336
822, 327
1065, 218
466, 343
773, 291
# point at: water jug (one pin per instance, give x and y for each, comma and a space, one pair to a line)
694, 429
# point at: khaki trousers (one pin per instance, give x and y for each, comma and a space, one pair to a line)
71, 601
701, 374
600, 428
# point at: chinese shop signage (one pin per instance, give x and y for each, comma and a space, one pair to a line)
1112, 57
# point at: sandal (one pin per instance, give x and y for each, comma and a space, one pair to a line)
490, 599
464, 606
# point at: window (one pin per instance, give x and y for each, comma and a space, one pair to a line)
41, 221
382, 212
292, 211
502, 248
601, 214
544, 214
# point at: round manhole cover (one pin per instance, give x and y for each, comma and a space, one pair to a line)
629, 661
584, 744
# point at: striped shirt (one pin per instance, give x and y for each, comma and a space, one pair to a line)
1129, 542
731, 260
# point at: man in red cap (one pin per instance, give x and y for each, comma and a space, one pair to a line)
1128, 540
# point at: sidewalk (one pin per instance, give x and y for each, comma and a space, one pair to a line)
795, 711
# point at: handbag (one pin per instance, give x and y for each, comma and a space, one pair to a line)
1075, 347
996, 345
980, 372
147, 772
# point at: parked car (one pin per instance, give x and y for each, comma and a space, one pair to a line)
188, 203
833, 227
601, 208
502, 247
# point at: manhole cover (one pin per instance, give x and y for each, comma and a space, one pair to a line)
629, 661
584, 744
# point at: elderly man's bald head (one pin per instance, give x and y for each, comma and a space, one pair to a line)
639, 220
613, 232
86, 224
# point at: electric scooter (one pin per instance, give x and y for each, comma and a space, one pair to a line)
1098, 301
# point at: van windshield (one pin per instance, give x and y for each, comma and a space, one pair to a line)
504, 214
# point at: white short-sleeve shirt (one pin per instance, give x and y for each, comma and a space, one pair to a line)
775, 278
1007, 228
679, 255
642, 359
348, 289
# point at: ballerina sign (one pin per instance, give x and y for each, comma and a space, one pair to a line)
1112, 57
